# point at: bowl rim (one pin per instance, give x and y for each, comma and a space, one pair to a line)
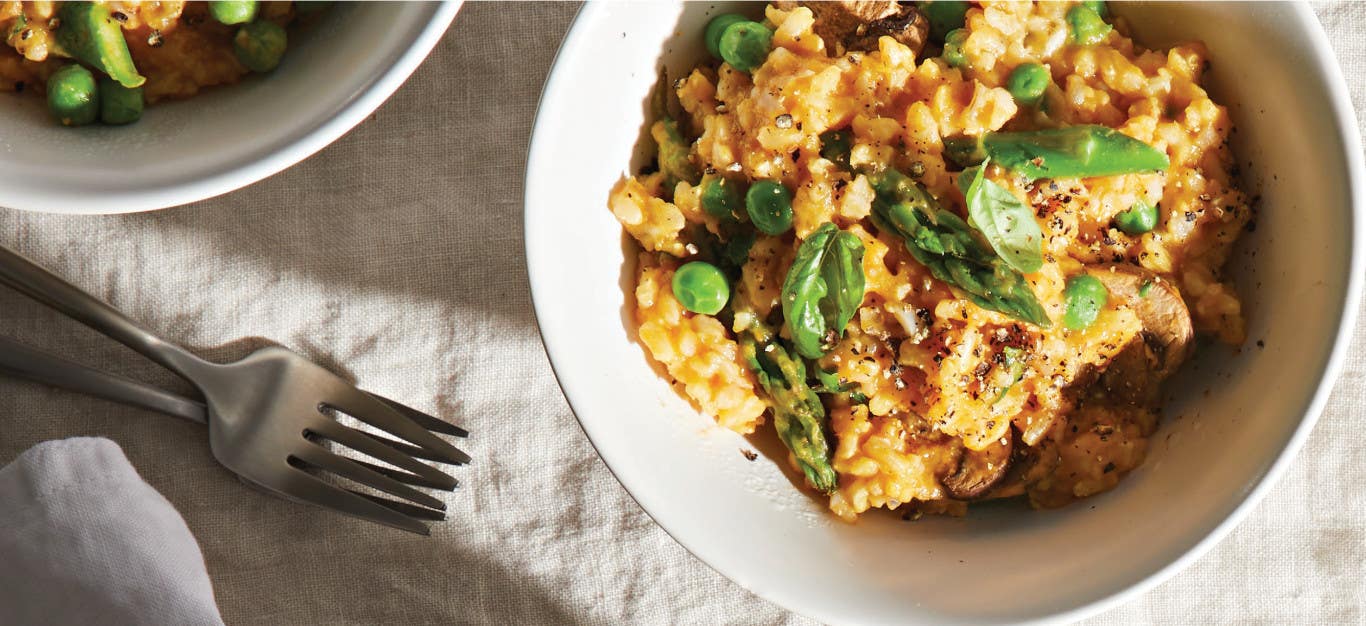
1344, 117
288, 151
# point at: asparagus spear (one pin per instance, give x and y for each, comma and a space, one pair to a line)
674, 151
951, 249
798, 414
1071, 152
940, 240
90, 34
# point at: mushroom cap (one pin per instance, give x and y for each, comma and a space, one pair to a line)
1028, 465
1132, 378
1167, 329
979, 470
847, 25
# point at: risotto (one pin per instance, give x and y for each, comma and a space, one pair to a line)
950, 250
104, 60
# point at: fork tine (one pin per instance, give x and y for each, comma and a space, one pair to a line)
366, 408
405, 508
366, 443
402, 476
406, 448
304, 487
317, 457
421, 453
432, 423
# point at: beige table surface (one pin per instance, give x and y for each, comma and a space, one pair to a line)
396, 255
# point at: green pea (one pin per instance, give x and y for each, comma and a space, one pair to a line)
953, 47
72, 96
1087, 26
1139, 219
716, 27
744, 45
233, 11
119, 104
1085, 296
769, 205
701, 288
259, 45
944, 16
1028, 83
722, 199
1099, 6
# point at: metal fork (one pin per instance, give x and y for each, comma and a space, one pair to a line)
24, 362
267, 414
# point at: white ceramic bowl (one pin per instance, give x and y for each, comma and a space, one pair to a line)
336, 72
1235, 422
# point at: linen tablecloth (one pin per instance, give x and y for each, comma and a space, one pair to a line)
395, 255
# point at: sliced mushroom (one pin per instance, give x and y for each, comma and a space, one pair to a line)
1167, 328
857, 25
1028, 464
1132, 378
979, 470
1135, 375
1013, 483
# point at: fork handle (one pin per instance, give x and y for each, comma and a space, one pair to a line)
21, 361
47, 288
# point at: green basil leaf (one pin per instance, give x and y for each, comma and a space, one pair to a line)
844, 275
1008, 224
822, 290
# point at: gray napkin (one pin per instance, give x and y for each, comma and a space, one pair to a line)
83, 540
